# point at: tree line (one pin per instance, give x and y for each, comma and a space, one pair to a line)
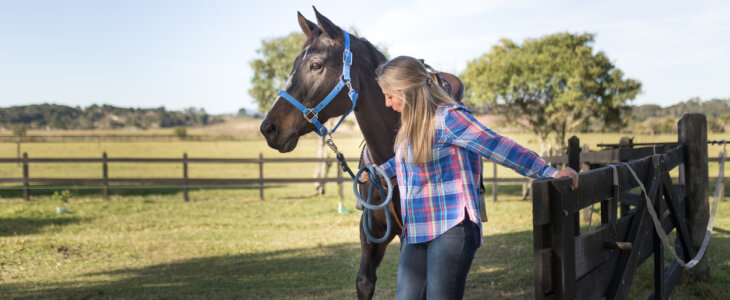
654, 119
53, 116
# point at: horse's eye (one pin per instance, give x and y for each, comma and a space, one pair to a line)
315, 65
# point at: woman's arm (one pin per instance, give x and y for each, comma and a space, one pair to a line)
463, 130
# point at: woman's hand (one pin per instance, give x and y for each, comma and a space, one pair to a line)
568, 172
364, 177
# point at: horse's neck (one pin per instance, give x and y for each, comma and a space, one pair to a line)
377, 123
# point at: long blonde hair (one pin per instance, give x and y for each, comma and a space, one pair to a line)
421, 95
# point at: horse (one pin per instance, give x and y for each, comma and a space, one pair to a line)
318, 68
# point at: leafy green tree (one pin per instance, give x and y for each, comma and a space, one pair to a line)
20, 130
272, 68
556, 83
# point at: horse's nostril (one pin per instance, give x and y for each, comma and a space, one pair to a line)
268, 129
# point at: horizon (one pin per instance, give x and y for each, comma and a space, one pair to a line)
254, 112
181, 54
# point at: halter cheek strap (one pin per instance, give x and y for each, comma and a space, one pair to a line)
312, 114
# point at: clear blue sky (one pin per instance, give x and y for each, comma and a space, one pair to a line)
182, 54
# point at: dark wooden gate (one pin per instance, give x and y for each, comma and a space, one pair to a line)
602, 263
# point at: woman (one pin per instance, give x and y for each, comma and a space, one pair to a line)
437, 167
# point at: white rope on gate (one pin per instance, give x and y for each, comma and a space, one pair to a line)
719, 192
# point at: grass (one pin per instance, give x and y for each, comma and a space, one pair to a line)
229, 244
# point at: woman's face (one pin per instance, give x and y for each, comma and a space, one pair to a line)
393, 99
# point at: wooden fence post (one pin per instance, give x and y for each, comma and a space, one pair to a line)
624, 142
26, 186
494, 182
105, 174
261, 176
563, 238
574, 163
340, 184
693, 133
185, 177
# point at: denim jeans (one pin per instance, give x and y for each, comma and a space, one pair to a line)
437, 269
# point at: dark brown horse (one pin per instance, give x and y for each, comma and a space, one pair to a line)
315, 72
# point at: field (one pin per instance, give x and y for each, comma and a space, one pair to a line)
226, 243
229, 244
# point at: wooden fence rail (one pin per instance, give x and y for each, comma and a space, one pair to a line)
185, 181
114, 138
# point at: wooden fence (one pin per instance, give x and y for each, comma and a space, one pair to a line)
602, 263
185, 182
113, 138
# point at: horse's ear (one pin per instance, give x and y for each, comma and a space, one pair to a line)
329, 28
306, 25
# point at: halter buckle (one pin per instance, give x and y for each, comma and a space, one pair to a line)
307, 117
347, 57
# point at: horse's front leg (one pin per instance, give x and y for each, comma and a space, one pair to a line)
371, 255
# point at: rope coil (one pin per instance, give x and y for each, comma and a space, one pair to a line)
369, 206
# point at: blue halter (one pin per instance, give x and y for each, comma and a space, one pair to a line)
311, 114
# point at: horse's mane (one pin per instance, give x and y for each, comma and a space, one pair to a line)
376, 56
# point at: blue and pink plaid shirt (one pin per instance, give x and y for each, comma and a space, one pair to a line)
435, 195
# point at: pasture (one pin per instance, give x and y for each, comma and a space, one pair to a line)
226, 243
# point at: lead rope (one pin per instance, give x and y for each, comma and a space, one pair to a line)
368, 206
719, 192
340, 157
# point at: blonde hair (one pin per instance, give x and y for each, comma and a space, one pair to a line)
421, 95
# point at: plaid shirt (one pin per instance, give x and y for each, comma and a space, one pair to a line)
434, 195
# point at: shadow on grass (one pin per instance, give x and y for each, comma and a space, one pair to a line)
7, 192
326, 272
502, 269
23, 225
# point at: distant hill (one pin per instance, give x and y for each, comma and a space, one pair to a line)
712, 108
101, 117
656, 119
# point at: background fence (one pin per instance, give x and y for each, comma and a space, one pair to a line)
113, 138
184, 182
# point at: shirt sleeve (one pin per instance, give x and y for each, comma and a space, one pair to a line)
463, 130
389, 167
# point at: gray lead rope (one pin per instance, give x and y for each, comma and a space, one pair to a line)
719, 192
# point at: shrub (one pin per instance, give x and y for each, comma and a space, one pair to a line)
180, 132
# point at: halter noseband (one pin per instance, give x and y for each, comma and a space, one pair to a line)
311, 114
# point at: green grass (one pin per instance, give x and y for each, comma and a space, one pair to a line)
229, 244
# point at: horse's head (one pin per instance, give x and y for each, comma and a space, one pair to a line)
314, 73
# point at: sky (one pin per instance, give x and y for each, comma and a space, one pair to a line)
181, 54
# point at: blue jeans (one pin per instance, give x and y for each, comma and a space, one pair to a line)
437, 269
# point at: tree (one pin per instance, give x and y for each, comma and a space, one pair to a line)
271, 70
556, 83
180, 132
19, 130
